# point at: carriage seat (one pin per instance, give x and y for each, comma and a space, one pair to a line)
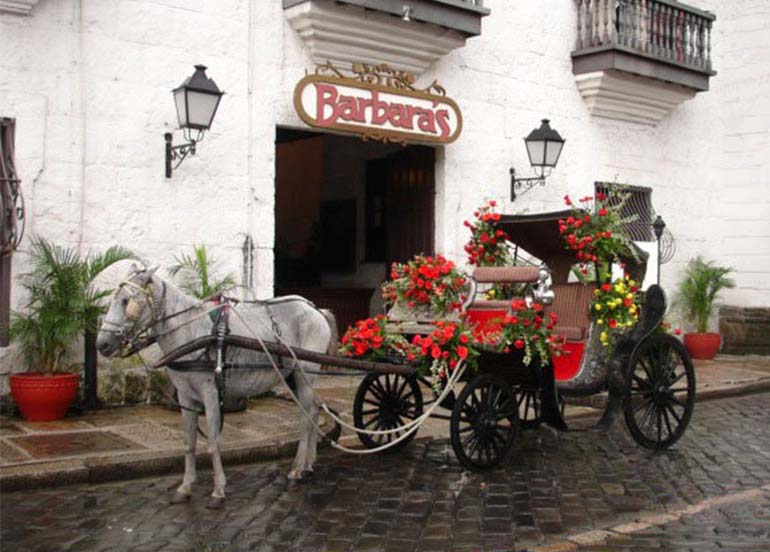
571, 303
501, 275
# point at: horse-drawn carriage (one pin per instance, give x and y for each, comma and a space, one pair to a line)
647, 373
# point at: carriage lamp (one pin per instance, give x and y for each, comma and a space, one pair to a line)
544, 146
196, 100
658, 226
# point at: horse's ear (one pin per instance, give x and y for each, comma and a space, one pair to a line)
149, 272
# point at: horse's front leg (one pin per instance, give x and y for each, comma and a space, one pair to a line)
308, 437
213, 421
190, 430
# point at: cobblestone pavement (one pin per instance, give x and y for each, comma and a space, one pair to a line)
561, 491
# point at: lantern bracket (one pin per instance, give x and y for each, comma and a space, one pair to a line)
180, 152
520, 186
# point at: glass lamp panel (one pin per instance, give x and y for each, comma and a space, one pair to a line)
552, 151
180, 100
201, 108
536, 152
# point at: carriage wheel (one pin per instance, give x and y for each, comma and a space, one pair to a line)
528, 400
661, 395
386, 401
484, 422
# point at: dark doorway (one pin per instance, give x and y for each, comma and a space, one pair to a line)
344, 210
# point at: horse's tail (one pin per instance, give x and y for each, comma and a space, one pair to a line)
334, 342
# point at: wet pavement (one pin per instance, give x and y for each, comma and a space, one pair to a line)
561, 491
112, 444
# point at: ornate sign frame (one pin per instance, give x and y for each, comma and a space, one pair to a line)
384, 79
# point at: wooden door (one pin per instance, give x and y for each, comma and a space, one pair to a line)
410, 211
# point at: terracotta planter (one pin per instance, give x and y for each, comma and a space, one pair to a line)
702, 346
43, 398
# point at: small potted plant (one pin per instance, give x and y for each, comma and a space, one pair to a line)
62, 304
696, 299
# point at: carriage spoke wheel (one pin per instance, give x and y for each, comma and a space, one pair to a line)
484, 422
386, 401
661, 396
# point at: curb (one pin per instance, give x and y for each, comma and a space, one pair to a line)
104, 469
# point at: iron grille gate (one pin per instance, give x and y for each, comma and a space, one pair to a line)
11, 219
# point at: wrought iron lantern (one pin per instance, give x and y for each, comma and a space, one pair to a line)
544, 147
197, 100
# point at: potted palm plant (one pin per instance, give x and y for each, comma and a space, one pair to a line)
62, 305
696, 298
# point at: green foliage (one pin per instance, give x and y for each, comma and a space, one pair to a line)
195, 274
62, 304
701, 283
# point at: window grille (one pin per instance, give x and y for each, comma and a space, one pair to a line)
639, 204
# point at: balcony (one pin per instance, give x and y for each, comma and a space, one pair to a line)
636, 60
406, 34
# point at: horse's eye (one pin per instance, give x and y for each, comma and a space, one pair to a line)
124, 302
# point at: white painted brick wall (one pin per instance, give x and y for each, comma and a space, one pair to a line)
91, 92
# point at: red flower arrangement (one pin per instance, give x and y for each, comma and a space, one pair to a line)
487, 246
369, 338
598, 237
528, 329
443, 349
433, 281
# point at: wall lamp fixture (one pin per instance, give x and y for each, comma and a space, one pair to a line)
544, 146
196, 99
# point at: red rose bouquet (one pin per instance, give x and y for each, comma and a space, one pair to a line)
370, 339
596, 235
487, 245
433, 281
526, 328
443, 349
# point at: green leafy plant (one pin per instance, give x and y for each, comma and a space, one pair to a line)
62, 301
195, 274
697, 292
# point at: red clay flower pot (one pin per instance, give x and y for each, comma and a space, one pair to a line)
702, 346
42, 398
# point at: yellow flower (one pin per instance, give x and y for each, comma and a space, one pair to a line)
603, 336
597, 292
600, 321
491, 293
631, 283
598, 307
630, 296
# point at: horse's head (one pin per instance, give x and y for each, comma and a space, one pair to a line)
134, 308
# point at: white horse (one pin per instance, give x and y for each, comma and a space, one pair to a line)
144, 302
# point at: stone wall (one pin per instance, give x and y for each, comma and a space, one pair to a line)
745, 330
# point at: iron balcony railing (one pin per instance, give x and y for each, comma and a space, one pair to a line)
666, 30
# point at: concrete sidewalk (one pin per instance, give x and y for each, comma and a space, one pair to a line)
147, 440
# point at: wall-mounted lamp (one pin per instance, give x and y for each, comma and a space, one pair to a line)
196, 99
543, 147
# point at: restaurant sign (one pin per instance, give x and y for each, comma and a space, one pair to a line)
378, 103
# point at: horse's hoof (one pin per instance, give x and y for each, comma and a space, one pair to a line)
307, 475
180, 498
216, 503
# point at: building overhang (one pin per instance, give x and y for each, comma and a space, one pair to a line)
409, 36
